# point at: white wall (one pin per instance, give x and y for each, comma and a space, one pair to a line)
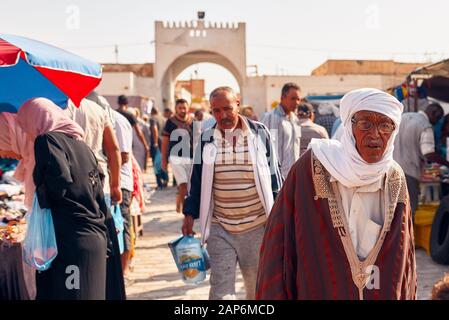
259, 92
117, 83
264, 90
145, 86
255, 94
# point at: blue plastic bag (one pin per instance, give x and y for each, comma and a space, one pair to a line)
157, 162
191, 259
39, 248
119, 225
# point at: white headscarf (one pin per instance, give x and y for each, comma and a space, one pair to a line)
342, 159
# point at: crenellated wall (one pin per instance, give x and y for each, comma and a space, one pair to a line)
200, 24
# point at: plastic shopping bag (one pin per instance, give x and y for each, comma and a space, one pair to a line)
119, 225
39, 247
191, 259
157, 162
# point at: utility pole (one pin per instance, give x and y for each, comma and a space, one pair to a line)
116, 53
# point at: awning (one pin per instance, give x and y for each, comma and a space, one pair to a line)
440, 68
437, 87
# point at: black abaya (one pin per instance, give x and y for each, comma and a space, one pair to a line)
67, 179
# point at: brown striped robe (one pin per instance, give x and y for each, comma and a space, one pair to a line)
307, 251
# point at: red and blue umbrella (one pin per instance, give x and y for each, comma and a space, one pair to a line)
30, 69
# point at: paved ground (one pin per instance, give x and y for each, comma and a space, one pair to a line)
155, 272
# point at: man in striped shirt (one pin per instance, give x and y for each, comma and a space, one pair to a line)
232, 192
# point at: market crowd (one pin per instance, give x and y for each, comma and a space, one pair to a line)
314, 201
85, 163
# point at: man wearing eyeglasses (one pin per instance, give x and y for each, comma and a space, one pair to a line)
415, 144
341, 226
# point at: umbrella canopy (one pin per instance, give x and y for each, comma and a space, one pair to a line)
30, 68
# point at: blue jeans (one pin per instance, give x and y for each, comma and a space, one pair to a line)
162, 178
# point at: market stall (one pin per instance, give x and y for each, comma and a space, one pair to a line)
17, 280
422, 86
427, 83
30, 69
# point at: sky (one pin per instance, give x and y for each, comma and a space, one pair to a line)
288, 37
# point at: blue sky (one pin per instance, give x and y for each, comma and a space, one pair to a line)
283, 36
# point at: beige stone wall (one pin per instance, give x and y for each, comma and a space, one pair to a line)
365, 67
195, 87
198, 88
143, 70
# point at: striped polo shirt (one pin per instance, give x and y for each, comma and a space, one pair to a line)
237, 206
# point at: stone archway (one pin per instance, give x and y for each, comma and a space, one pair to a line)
182, 44
185, 61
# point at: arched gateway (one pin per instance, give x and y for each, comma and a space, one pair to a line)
182, 44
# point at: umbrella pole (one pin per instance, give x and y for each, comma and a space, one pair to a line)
415, 83
408, 93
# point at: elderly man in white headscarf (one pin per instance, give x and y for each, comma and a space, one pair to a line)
341, 227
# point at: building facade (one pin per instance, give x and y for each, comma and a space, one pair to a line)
181, 44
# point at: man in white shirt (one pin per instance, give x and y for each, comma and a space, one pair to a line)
415, 144
124, 133
285, 127
100, 136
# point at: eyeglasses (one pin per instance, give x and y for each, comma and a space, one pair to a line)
384, 127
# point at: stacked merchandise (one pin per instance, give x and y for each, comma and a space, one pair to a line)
431, 173
12, 222
12, 208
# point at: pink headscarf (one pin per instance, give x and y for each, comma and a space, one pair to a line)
35, 117
12, 138
40, 115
